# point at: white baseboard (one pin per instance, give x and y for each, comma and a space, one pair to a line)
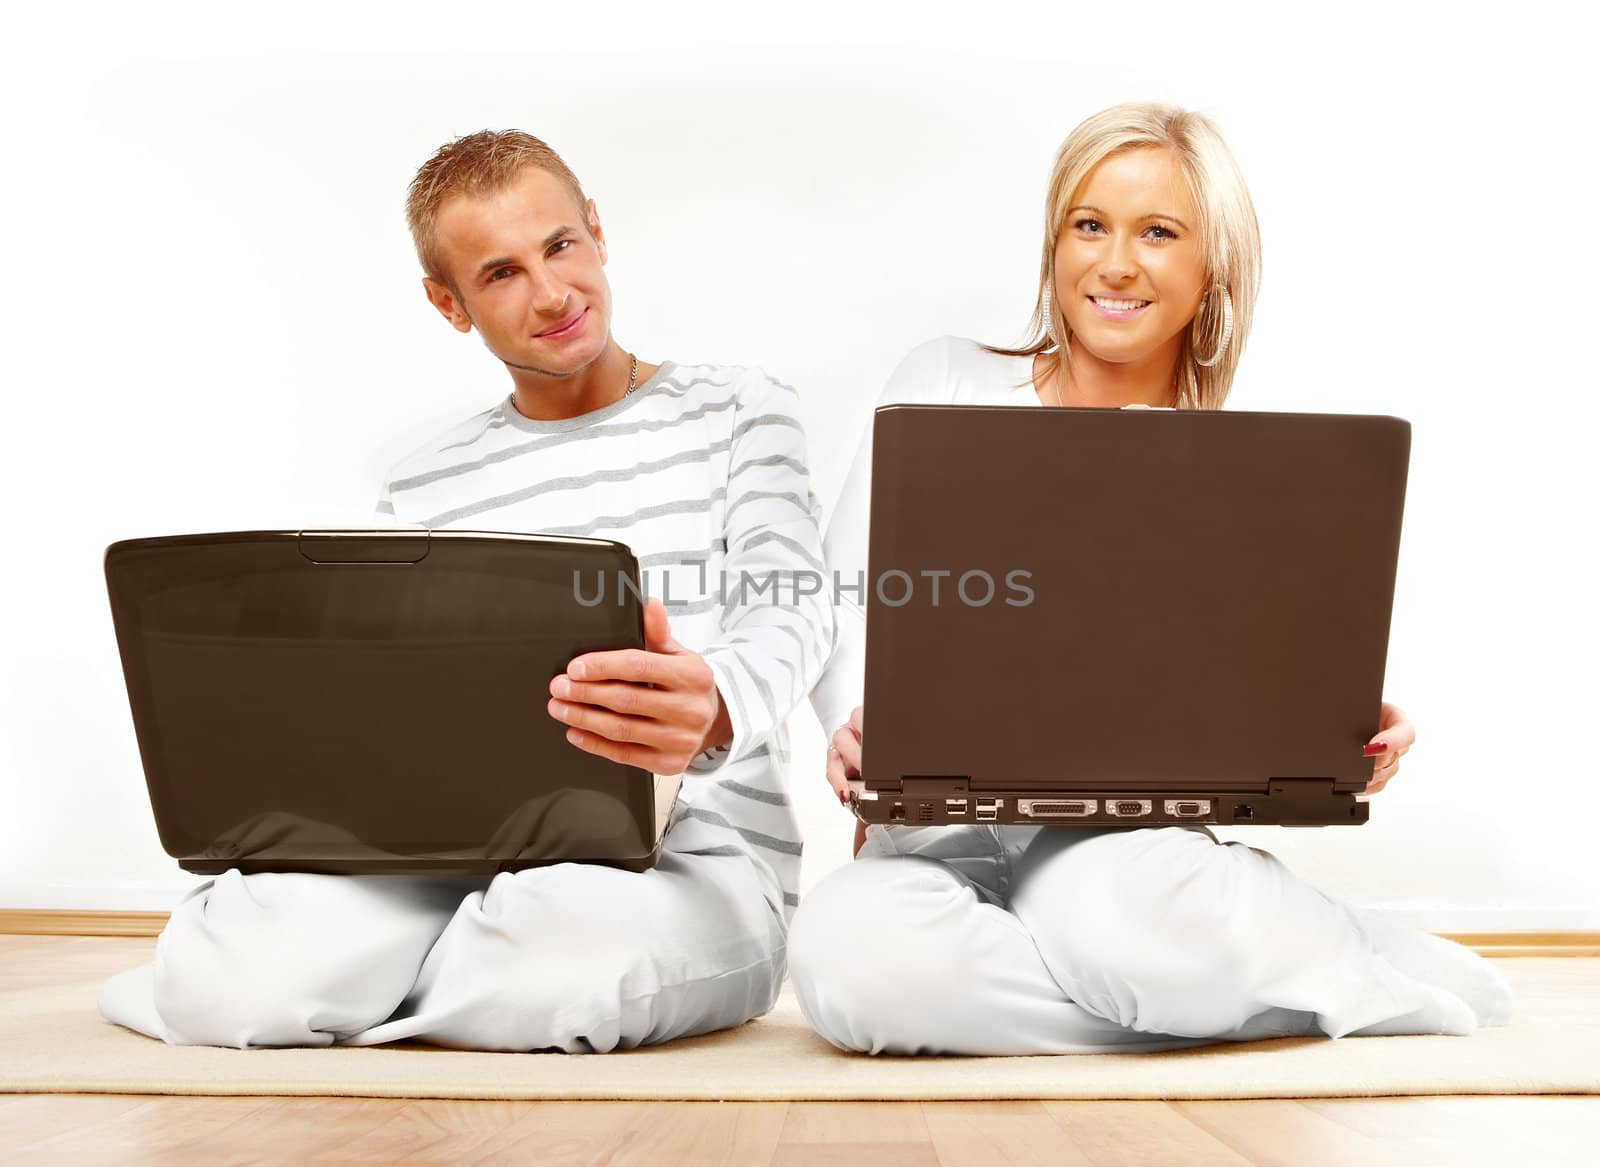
152, 896
1457, 918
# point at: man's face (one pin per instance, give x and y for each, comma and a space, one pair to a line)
526, 273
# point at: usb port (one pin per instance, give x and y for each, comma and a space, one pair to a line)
955, 806
988, 810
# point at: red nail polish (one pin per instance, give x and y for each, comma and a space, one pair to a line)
1373, 749
844, 798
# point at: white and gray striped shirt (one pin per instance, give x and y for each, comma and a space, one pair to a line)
701, 471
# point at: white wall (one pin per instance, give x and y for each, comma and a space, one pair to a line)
213, 321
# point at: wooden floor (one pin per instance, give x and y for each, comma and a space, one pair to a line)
129, 1129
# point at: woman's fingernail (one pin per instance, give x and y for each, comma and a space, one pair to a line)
1373, 749
561, 687
844, 798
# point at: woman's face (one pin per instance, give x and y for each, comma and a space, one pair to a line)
1129, 274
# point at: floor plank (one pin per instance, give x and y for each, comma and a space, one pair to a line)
1475, 1129
1274, 1132
1140, 1132
991, 1134
855, 1122
871, 1153
1414, 1132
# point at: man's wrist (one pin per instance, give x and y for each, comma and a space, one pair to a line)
720, 735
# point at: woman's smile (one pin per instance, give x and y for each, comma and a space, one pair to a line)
1117, 307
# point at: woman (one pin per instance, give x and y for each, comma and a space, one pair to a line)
983, 939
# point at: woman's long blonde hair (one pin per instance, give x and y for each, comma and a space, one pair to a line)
1230, 239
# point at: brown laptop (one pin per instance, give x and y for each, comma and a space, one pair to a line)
374, 701
1127, 617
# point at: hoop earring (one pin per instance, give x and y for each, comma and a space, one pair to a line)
1049, 319
1227, 329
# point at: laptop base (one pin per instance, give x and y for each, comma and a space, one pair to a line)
406, 865
1287, 803
307, 851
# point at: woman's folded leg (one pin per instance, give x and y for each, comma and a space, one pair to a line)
1167, 931
905, 954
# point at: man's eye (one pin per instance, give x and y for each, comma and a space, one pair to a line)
499, 273
560, 245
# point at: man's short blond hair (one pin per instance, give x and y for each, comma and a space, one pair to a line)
478, 164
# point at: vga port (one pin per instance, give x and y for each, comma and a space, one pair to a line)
1188, 808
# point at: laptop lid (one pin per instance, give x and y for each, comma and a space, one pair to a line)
1130, 601
365, 701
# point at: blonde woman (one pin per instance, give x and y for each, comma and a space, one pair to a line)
984, 939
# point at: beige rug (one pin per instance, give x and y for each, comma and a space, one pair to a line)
52, 1040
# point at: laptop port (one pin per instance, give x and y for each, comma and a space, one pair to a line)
1243, 813
988, 810
955, 806
924, 812
1188, 808
897, 812
1056, 808
1127, 808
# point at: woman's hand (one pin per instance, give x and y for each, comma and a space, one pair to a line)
844, 756
1394, 737
844, 763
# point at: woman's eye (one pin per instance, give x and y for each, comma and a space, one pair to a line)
1092, 226
1161, 233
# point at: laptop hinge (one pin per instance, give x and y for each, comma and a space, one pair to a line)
935, 784
1299, 780
1298, 788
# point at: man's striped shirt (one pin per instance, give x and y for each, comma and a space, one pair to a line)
701, 471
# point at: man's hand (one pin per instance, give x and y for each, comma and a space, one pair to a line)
655, 708
1395, 736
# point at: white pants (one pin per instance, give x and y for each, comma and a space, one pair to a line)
1034, 940
572, 957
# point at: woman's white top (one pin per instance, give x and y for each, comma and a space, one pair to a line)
947, 371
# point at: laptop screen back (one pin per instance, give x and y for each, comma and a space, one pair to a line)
1078, 598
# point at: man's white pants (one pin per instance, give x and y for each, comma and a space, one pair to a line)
573, 957
1034, 940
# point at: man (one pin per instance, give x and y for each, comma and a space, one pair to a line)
701, 471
